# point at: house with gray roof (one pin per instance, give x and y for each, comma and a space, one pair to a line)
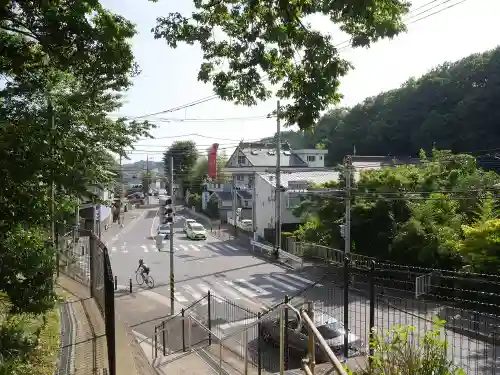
295, 186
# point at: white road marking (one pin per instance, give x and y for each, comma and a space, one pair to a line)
145, 248
211, 247
228, 291
113, 249
280, 283
195, 294
179, 297
238, 323
250, 286
248, 293
303, 279
232, 247
194, 247
284, 279
183, 247
124, 249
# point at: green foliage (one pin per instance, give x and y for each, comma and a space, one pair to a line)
262, 41
433, 215
401, 352
454, 106
199, 173
185, 156
147, 180
27, 265
213, 208
194, 200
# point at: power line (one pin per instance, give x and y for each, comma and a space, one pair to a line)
338, 46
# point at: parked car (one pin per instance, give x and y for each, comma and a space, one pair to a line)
330, 328
187, 222
196, 231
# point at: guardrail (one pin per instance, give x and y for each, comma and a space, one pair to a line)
306, 317
270, 250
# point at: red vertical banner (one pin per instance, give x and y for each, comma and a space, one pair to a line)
212, 161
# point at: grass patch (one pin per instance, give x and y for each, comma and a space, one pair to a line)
29, 344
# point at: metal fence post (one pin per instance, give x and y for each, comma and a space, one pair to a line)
156, 342
183, 331
346, 305
92, 254
209, 297
259, 344
163, 338
285, 336
110, 317
372, 309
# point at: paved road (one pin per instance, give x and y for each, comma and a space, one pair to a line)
230, 271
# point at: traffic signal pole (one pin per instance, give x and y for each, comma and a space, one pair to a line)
171, 193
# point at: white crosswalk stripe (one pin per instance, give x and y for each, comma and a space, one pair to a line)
133, 249
251, 289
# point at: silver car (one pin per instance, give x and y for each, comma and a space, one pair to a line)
330, 328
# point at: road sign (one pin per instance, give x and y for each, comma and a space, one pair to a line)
159, 242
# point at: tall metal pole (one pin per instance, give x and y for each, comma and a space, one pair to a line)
171, 193
348, 174
278, 181
147, 179
50, 110
122, 194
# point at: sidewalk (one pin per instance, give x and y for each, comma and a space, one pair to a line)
83, 340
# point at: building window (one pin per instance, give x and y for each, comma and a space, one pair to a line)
311, 157
241, 159
246, 203
240, 177
321, 158
293, 202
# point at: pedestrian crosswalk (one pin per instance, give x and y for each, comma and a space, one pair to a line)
183, 247
253, 288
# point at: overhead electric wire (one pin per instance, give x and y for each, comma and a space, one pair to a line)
338, 46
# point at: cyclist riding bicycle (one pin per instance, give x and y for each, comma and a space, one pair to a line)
144, 268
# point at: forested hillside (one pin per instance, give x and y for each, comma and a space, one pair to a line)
454, 107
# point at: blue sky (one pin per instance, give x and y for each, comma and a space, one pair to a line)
168, 76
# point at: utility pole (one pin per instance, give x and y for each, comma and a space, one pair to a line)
52, 124
147, 179
235, 203
278, 181
348, 188
171, 193
122, 194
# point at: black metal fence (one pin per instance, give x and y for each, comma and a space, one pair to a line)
84, 258
368, 296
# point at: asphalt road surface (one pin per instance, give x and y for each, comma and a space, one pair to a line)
232, 272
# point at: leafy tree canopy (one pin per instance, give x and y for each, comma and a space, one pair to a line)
185, 155
200, 172
438, 214
250, 45
454, 107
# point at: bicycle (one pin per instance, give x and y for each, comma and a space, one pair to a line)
144, 279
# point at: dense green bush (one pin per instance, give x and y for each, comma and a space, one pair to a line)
401, 352
27, 266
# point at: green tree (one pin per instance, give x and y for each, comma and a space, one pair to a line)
411, 214
264, 39
454, 107
77, 57
185, 155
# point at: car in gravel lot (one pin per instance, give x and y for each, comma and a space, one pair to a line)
330, 328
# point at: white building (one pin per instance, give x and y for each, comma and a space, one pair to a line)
296, 185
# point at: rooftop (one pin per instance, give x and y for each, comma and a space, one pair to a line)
266, 157
315, 177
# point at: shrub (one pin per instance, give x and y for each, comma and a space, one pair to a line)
401, 352
27, 267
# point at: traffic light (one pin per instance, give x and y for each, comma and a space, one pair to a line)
169, 211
